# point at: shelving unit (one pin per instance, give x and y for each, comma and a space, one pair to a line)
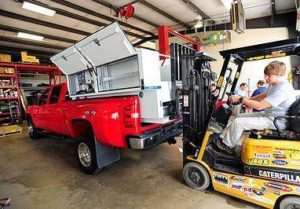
21, 72
9, 92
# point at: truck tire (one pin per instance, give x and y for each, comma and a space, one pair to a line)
86, 154
33, 131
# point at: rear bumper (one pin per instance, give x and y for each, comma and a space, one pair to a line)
154, 137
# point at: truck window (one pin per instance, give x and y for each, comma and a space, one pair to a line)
55, 94
43, 98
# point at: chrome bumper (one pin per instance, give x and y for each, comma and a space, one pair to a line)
154, 137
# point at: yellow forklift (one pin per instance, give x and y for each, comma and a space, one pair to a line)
267, 172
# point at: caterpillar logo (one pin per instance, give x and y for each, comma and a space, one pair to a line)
280, 176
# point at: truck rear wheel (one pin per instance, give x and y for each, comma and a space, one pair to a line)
32, 130
196, 176
86, 155
290, 203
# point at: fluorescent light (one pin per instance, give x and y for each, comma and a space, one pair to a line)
30, 36
37, 8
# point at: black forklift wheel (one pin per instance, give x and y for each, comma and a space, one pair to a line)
290, 203
196, 176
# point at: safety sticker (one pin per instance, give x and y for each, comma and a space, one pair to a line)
238, 179
255, 161
278, 186
279, 162
220, 178
262, 156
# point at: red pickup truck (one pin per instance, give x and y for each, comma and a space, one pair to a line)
100, 125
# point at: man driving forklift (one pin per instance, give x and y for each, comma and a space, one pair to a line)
276, 102
268, 171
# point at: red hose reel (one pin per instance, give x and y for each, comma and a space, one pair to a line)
127, 11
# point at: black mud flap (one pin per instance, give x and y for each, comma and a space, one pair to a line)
106, 155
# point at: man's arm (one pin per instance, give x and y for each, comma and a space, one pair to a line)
259, 97
258, 105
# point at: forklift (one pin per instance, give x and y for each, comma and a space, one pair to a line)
267, 172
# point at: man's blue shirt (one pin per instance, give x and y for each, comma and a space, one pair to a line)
260, 90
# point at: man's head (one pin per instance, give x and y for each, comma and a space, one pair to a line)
273, 71
243, 86
260, 83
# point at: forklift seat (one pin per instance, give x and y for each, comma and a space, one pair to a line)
293, 118
291, 132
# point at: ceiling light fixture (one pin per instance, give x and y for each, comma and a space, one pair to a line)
30, 36
37, 8
199, 22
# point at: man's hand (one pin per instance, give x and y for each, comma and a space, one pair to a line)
234, 98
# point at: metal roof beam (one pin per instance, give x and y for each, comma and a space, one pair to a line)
106, 4
158, 10
79, 17
56, 38
96, 14
41, 22
273, 12
196, 9
16, 51
31, 43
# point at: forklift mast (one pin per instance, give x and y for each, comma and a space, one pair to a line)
192, 73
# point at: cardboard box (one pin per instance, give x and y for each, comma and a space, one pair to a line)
5, 58
29, 59
2, 70
9, 70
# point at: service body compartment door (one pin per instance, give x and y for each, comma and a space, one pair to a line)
106, 45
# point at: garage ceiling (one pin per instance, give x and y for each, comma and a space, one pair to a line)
78, 18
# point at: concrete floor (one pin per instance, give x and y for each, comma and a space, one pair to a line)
44, 174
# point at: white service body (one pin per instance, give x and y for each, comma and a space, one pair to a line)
105, 64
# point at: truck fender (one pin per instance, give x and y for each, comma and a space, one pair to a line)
81, 127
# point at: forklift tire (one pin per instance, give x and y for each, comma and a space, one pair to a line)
196, 176
86, 154
32, 131
290, 203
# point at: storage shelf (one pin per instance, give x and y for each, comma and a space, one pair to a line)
8, 98
4, 113
29, 72
34, 88
8, 76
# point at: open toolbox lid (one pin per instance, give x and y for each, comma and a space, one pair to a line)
106, 45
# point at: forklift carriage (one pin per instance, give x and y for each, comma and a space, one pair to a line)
268, 171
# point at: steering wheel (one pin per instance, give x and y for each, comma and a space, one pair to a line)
229, 94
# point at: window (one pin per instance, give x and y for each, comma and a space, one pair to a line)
55, 94
43, 98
